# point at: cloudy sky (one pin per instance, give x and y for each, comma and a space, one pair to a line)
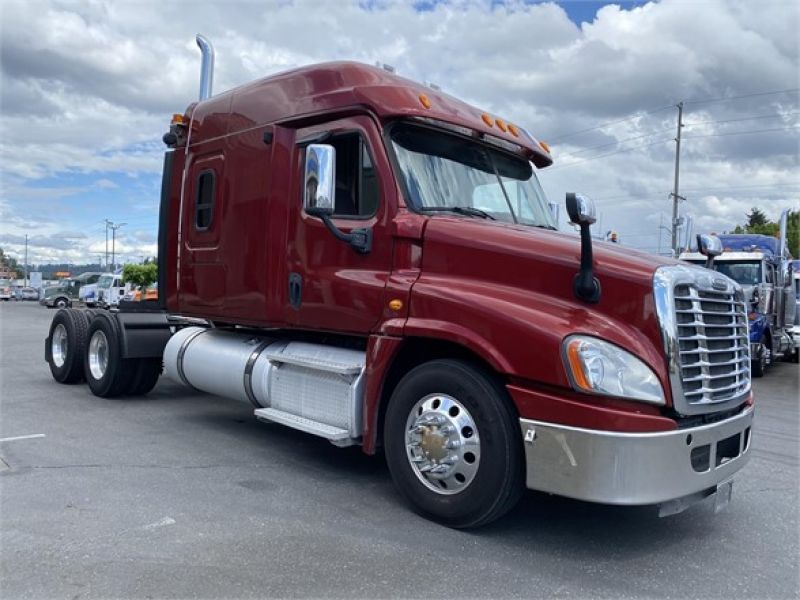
88, 89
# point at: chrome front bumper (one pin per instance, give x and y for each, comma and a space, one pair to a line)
634, 468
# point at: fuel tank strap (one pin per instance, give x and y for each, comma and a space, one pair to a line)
182, 351
248, 372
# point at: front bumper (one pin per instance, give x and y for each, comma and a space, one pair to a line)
634, 468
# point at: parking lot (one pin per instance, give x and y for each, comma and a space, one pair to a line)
179, 494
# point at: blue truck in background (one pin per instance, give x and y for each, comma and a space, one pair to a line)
763, 266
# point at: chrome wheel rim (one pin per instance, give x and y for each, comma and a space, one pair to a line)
58, 345
98, 354
442, 444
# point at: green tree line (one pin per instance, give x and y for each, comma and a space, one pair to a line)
757, 222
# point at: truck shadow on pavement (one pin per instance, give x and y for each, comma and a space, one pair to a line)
541, 521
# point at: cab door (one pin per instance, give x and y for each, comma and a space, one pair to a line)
331, 286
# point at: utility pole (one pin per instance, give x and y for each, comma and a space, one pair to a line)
113, 227
676, 197
107, 222
26, 260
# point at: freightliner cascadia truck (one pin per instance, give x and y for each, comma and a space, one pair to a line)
372, 261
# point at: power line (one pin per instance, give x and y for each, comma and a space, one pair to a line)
659, 109
754, 95
770, 116
572, 164
706, 135
638, 137
602, 125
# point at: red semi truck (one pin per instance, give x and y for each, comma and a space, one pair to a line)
374, 262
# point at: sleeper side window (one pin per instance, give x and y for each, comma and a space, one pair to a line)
357, 189
204, 203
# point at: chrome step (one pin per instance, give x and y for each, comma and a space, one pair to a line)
335, 435
318, 357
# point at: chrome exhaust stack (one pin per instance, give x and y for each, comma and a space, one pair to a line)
206, 67
782, 236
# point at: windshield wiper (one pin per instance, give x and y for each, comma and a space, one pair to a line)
550, 227
462, 210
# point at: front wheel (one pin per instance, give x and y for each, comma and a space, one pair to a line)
453, 444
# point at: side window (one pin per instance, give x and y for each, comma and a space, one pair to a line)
204, 203
770, 274
357, 188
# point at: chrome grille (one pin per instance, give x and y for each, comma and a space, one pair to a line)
704, 325
713, 345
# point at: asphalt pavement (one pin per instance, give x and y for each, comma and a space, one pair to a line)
183, 495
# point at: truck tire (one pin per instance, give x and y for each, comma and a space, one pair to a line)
145, 377
453, 444
759, 362
106, 372
66, 344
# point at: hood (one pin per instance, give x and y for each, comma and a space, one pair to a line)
533, 257
538, 266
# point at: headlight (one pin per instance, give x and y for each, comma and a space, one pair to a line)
600, 367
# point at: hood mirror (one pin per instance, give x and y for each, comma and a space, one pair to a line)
709, 246
582, 213
580, 210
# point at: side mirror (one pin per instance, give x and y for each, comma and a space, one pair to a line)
709, 246
580, 209
320, 180
319, 196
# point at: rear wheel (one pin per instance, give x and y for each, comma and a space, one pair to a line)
107, 373
453, 444
66, 344
145, 376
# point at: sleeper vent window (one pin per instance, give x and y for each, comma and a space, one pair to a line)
204, 207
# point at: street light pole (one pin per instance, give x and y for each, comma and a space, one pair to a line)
114, 227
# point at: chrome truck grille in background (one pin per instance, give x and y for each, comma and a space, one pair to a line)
703, 321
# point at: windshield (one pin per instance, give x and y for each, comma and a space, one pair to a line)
743, 273
105, 282
447, 172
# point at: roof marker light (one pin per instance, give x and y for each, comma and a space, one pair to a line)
423, 99
501, 125
487, 119
545, 146
513, 130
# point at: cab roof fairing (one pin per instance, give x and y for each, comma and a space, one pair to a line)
288, 96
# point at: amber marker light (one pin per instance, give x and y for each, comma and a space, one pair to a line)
423, 99
396, 304
545, 146
501, 125
512, 129
177, 119
576, 365
487, 119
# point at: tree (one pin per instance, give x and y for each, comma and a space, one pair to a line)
772, 228
756, 218
141, 276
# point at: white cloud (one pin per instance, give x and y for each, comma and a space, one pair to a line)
89, 88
